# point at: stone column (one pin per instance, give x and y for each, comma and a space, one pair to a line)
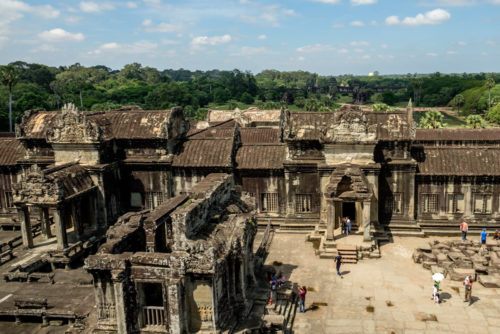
330, 219
45, 222
93, 211
62, 238
120, 308
24, 219
76, 221
366, 221
411, 191
359, 216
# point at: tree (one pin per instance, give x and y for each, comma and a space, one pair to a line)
493, 115
9, 76
490, 83
458, 101
246, 98
475, 121
432, 119
417, 89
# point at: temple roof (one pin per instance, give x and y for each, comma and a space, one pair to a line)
205, 153
10, 151
261, 156
461, 161
489, 134
260, 135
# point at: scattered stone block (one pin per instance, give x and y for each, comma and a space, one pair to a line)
489, 281
438, 269
428, 265
417, 256
429, 257
459, 274
425, 248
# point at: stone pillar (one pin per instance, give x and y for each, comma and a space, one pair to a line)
366, 220
330, 219
120, 308
359, 216
93, 211
24, 219
411, 193
45, 222
62, 238
76, 221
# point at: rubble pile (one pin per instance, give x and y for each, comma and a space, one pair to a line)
458, 259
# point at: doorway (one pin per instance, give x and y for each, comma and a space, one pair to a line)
349, 210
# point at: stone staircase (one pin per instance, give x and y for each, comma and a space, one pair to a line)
349, 253
280, 315
405, 229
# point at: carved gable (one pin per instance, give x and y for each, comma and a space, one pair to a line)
351, 125
72, 126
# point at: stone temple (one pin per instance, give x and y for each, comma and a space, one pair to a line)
153, 218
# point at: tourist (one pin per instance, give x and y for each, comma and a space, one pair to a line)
464, 227
348, 225
468, 289
281, 281
272, 291
302, 299
484, 234
496, 236
435, 292
338, 262
343, 225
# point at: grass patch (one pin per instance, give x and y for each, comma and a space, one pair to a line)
389, 303
451, 121
277, 263
370, 309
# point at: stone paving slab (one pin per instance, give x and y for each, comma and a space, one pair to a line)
387, 295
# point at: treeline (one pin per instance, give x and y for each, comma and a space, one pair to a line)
36, 86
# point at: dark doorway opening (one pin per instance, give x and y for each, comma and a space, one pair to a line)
349, 210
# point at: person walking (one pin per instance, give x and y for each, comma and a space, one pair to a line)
464, 228
348, 223
435, 292
338, 262
468, 288
302, 299
343, 225
496, 236
484, 234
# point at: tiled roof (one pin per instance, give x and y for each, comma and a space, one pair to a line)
10, 151
205, 153
74, 179
458, 134
259, 135
260, 157
459, 161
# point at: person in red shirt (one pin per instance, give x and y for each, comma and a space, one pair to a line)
302, 299
464, 227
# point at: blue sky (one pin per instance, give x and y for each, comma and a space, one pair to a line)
323, 36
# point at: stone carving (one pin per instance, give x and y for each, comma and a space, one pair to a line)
36, 188
205, 312
351, 125
72, 126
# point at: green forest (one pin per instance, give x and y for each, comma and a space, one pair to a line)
36, 86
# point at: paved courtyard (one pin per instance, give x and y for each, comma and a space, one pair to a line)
387, 295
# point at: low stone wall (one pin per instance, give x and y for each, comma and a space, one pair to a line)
458, 259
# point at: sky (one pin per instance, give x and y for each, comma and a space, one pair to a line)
329, 37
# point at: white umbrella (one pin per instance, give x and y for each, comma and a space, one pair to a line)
438, 277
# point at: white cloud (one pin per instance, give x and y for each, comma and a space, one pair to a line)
139, 47
152, 2
266, 15
491, 43
162, 27
251, 51
198, 42
432, 54
462, 43
363, 2
330, 2
384, 46
94, 7
343, 51
60, 35
147, 22
374, 23
72, 19
357, 24
45, 48
47, 12
301, 58
359, 43
315, 48
451, 52
359, 50
494, 2
338, 26
262, 37
449, 3
131, 4
436, 16
366, 57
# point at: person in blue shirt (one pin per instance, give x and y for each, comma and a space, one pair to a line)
483, 238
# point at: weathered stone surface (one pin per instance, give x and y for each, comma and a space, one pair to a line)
459, 274
489, 281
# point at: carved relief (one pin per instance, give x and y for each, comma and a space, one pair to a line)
205, 312
351, 126
35, 188
72, 126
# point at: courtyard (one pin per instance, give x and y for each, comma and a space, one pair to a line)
387, 295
